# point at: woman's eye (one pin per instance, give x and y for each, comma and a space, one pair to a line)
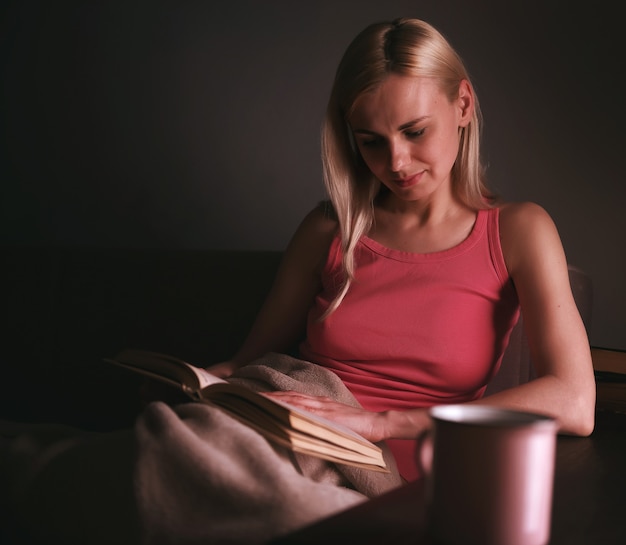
371, 142
415, 134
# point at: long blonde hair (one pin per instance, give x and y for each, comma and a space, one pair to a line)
409, 47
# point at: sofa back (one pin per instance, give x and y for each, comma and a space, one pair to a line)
65, 309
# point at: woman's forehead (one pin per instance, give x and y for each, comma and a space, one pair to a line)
396, 101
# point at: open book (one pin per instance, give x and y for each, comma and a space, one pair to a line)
280, 422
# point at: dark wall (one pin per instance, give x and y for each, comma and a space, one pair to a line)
195, 124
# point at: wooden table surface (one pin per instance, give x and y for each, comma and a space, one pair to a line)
589, 506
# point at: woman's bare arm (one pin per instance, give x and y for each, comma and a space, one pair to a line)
558, 342
281, 321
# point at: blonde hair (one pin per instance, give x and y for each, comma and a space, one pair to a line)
408, 47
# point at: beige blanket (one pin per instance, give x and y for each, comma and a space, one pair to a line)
183, 475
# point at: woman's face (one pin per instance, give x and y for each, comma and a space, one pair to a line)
407, 132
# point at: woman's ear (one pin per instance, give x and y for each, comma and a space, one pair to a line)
465, 103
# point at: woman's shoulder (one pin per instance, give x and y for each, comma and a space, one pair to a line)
514, 215
314, 235
526, 229
520, 216
321, 221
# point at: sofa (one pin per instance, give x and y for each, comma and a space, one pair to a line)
65, 309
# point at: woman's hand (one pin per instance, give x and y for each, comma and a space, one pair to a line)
369, 424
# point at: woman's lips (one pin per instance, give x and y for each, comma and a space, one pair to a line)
408, 181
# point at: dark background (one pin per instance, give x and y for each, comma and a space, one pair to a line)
195, 124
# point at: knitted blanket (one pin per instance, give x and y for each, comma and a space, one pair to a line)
183, 474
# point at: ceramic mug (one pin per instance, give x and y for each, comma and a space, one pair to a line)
491, 476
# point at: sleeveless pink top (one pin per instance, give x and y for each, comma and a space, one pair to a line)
416, 330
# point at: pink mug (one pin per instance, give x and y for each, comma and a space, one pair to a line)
491, 476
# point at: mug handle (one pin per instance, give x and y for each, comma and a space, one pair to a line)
424, 452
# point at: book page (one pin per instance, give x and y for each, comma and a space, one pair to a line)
287, 424
167, 368
289, 416
331, 446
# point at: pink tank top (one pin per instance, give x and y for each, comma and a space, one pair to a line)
416, 330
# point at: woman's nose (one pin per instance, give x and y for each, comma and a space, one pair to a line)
399, 156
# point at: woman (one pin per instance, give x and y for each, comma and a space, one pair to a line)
406, 287
409, 284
